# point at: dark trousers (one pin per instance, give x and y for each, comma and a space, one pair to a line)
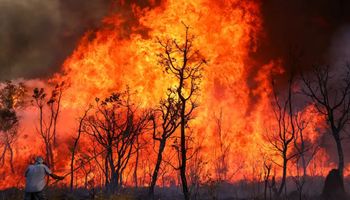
35, 196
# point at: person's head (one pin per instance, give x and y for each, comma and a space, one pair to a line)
39, 160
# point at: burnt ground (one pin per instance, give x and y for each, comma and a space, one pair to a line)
242, 190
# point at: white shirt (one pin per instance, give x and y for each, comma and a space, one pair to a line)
35, 177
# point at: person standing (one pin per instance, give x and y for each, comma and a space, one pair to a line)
35, 180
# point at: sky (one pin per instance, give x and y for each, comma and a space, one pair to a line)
36, 36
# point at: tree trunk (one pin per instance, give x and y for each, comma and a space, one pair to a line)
340, 154
183, 153
106, 172
114, 174
156, 169
52, 163
74, 146
284, 175
265, 189
48, 157
135, 170
266, 182
11, 158
71, 171
136, 163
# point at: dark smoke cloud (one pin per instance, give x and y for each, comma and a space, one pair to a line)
36, 36
308, 25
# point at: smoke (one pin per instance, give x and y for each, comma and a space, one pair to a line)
340, 47
308, 29
308, 25
319, 30
36, 36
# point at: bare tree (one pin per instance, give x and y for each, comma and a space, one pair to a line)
75, 146
221, 165
197, 174
115, 125
168, 115
331, 97
11, 99
87, 168
48, 123
184, 63
267, 174
284, 134
140, 147
305, 150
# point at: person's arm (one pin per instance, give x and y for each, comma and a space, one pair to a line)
54, 176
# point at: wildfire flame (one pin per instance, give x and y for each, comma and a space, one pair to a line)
122, 54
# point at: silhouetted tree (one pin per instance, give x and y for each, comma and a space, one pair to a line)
267, 174
48, 122
86, 167
184, 63
305, 150
75, 146
140, 145
221, 164
331, 97
11, 99
115, 124
282, 136
168, 115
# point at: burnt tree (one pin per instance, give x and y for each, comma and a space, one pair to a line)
267, 174
140, 145
282, 136
222, 163
184, 63
49, 109
115, 125
11, 99
331, 97
169, 119
75, 146
305, 150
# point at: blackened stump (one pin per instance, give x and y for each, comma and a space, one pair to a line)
334, 187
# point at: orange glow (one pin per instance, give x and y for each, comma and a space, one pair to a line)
115, 57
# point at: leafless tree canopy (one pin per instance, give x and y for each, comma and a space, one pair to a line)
331, 97
49, 109
115, 124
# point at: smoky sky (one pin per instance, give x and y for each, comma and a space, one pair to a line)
318, 31
306, 26
36, 36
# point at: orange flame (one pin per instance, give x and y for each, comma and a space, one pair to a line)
122, 54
